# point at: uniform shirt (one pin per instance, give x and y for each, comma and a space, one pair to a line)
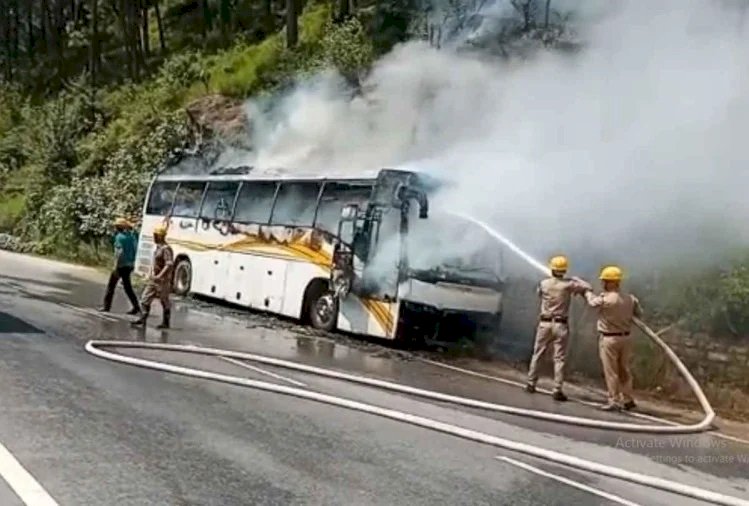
125, 246
555, 294
615, 311
162, 257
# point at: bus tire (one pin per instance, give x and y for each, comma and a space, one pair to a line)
321, 306
182, 277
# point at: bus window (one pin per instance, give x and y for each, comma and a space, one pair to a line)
219, 200
296, 204
255, 202
337, 195
161, 198
189, 196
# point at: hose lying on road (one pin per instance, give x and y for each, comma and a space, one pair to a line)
95, 348
463, 401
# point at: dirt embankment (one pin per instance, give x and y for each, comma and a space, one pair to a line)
224, 118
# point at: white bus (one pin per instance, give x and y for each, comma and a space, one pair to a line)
358, 253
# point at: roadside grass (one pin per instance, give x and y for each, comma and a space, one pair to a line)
12, 205
246, 70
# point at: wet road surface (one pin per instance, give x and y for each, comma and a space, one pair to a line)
95, 432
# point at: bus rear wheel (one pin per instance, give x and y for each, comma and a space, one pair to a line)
182, 277
323, 311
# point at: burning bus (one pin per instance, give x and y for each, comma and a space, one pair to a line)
360, 253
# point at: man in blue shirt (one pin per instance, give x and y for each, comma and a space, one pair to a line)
125, 246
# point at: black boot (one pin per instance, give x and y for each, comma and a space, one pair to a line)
133, 312
165, 319
558, 395
142, 320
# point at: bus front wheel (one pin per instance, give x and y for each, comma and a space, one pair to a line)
323, 311
182, 277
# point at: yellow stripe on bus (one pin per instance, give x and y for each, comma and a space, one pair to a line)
294, 251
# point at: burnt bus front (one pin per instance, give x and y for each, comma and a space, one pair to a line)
454, 287
442, 271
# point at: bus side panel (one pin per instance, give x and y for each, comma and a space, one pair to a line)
270, 279
298, 277
241, 278
368, 317
211, 262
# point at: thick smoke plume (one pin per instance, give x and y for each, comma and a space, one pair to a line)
631, 150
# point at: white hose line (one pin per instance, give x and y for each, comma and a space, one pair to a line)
696, 388
396, 387
472, 435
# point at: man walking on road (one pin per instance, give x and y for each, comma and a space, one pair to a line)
555, 293
616, 312
125, 245
160, 280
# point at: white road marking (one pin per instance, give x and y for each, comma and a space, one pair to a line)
567, 481
580, 401
21, 482
89, 312
262, 371
478, 374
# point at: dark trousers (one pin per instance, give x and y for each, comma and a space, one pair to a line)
122, 273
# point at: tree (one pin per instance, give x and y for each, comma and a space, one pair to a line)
160, 25
94, 43
527, 9
292, 24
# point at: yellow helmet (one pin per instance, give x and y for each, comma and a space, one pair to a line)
122, 222
611, 273
559, 263
159, 230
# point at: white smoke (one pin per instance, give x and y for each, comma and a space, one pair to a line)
631, 150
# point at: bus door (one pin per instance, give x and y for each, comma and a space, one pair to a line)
371, 261
215, 231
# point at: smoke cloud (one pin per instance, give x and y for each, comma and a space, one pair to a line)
631, 150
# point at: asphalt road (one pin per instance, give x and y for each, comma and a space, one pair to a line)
95, 432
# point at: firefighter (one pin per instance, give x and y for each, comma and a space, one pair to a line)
555, 293
125, 246
616, 312
159, 283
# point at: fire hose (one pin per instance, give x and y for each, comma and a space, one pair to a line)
95, 348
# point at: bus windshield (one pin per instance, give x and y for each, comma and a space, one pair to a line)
450, 248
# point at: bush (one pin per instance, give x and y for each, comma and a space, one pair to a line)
83, 210
347, 48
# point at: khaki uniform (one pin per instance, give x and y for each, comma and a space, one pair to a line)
159, 289
615, 317
553, 328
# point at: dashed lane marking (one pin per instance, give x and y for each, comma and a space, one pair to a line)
567, 481
262, 371
90, 312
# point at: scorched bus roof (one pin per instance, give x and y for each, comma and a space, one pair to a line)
270, 174
423, 180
